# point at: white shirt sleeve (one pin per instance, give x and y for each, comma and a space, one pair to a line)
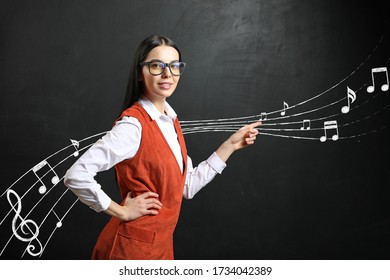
120, 143
201, 175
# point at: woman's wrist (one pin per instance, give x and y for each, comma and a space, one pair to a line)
116, 210
225, 150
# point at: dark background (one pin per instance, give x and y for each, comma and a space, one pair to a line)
63, 73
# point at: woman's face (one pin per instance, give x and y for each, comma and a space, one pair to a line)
159, 87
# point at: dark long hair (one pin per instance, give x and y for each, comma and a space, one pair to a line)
134, 85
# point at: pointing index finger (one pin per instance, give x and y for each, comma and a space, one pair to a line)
255, 124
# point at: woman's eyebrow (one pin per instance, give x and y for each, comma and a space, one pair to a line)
159, 60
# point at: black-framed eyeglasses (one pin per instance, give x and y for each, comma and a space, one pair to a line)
157, 67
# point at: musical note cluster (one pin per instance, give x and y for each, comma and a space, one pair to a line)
329, 127
43, 193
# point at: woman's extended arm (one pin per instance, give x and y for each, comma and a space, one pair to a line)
244, 137
205, 172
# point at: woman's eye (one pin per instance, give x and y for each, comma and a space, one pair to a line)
156, 65
175, 65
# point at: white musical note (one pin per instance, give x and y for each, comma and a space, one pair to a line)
328, 125
28, 227
59, 223
42, 189
385, 86
76, 145
305, 125
285, 106
263, 117
351, 97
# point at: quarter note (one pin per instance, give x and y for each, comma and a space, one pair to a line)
76, 146
385, 86
330, 125
285, 106
351, 97
38, 168
59, 223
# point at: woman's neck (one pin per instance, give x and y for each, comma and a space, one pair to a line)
158, 102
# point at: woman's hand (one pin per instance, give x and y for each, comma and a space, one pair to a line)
144, 204
134, 208
244, 137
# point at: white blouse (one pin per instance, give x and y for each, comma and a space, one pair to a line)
121, 143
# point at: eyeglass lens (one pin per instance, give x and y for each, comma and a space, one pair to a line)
157, 67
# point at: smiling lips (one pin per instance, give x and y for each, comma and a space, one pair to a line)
165, 85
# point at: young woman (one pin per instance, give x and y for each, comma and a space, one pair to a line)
147, 148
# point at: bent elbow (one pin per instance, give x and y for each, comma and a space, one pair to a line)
68, 179
188, 195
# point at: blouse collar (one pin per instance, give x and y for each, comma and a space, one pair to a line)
152, 110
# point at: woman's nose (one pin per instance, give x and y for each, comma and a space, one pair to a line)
166, 73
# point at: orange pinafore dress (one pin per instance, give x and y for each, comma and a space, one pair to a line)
153, 168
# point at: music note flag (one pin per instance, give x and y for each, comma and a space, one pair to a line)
285, 106
305, 125
330, 125
40, 168
76, 145
351, 97
385, 86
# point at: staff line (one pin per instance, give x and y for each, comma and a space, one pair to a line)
55, 228
238, 124
50, 156
266, 121
52, 211
36, 182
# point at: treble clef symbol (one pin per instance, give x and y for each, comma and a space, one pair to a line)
28, 227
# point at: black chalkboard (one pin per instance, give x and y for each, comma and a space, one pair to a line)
63, 74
